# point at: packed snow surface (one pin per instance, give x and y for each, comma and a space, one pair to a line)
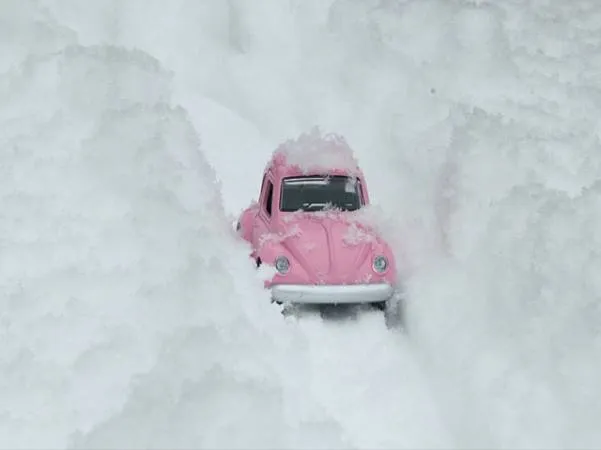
132, 133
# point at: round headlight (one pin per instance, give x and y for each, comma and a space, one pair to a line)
282, 265
380, 264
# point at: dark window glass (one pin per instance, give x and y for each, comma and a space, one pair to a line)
269, 198
313, 193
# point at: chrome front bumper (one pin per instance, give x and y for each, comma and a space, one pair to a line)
331, 294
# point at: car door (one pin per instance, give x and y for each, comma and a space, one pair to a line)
262, 223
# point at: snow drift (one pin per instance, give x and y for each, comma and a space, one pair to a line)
120, 312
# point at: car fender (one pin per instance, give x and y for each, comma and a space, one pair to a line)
267, 250
245, 223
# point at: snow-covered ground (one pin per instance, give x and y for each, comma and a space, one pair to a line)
133, 131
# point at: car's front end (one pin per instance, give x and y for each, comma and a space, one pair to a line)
328, 259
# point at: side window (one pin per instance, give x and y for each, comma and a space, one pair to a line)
262, 184
361, 194
268, 198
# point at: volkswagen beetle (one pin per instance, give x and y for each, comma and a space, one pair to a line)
306, 225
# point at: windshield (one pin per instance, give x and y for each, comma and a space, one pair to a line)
318, 193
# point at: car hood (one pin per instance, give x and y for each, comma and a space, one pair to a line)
330, 247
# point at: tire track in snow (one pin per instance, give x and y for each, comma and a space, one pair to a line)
368, 380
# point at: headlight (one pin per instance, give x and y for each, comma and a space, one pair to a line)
282, 265
380, 264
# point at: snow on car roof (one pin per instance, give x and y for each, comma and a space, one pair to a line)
315, 151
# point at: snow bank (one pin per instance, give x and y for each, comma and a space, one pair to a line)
516, 303
504, 315
130, 317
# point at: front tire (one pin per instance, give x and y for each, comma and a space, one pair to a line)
380, 306
394, 312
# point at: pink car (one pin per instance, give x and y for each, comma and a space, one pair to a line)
306, 224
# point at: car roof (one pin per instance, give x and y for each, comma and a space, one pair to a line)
314, 154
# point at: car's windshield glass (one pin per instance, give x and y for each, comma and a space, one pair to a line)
316, 193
